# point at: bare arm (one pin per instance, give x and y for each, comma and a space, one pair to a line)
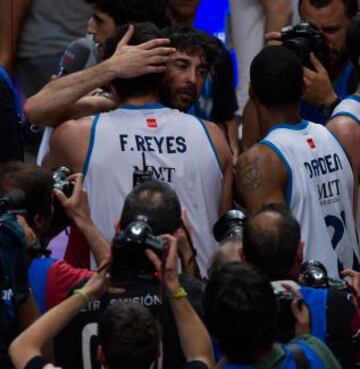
261, 178
224, 154
194, 338
127, 62
232, 135
278, 14
77, 209
29, 344
347, 132
12, 15
251, 130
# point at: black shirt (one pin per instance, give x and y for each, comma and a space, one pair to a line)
11, 146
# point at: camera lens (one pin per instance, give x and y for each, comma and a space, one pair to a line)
229, 225
300, 46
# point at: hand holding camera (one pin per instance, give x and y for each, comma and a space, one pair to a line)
167, 268
73, 198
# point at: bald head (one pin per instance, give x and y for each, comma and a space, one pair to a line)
271, 239
229, 251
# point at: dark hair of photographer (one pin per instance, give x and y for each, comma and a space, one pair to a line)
353, 41
351, 6
37, 184
276, 76
158, 202
125, 11
118, 323
271, 241
241, 310
137, 86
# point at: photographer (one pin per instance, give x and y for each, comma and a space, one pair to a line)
326, 82
241, 309
123, 340
271, 241
17, 305
151, 209
50, 279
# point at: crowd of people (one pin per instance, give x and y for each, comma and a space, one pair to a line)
134, 129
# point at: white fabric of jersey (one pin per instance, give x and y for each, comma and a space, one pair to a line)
350, 107
178, 150
319, 192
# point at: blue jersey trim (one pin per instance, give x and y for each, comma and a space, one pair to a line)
294, 127
37, 274
144, 106
211, 142
345, 114
354, 97
289, 171
91, 144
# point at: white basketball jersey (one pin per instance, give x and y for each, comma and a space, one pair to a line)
350, 107
178, 150
319, 192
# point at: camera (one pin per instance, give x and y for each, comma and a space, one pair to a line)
303, 39
230, 225
60, 183
314, 274
60, 220
128, 250
286, 319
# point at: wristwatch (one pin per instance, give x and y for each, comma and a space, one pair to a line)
326, 110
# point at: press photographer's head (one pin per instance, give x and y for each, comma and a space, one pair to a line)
118, 323
37, 185
271, 241
141, 222
241, 310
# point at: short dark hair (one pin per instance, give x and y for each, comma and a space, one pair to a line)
194, 42
351, 6
276, 76
129, 336
142, 85
35, 181
126, 11
353, 41
272, 246
158, 202
241, 310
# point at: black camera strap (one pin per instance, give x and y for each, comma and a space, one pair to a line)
301, 360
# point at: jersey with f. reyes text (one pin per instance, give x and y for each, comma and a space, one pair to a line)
177, 149
319, 192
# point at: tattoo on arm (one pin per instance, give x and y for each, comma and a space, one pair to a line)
249, 175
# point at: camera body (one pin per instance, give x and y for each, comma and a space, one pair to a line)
303, 39
60, 183
229, 226
60, 220
314, 274
128, 250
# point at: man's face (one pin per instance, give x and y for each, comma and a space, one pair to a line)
101, 25
332, 21
185, 8
183, 80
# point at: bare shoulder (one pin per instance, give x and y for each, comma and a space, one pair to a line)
261, 177
347, 131
69, 142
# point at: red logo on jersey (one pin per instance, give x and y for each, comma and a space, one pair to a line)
151, 122
311, 143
